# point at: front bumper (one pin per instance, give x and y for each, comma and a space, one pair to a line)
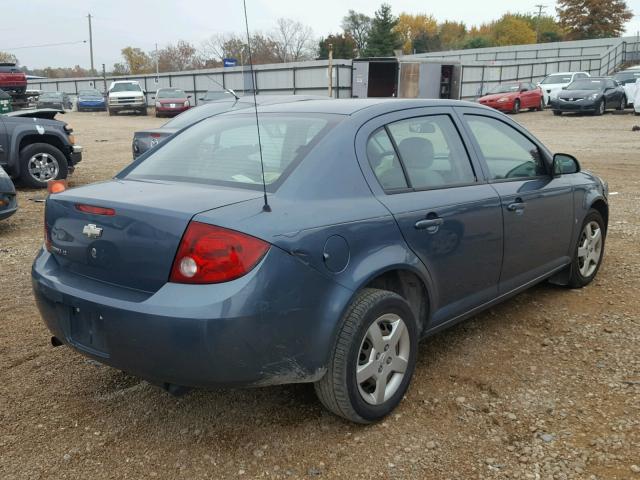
76, 154
501, 106
574, 106
250, 331
119, 107
167, 110
91, 105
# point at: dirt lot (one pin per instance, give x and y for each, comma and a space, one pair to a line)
544, 386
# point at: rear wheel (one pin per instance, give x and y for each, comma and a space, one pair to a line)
373, 358
589, 250
516, 107
557, 113
41, 162
541, 105
623, 103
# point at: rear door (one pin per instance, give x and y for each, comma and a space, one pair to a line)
418, 167
537, 207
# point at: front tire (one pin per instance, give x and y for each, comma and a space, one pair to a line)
589, 251
516, 107
623, 104
373, 359
41, 162
557, 113
600, 108
143, 112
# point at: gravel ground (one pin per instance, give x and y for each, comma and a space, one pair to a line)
544, 386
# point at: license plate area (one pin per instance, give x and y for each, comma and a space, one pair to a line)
87, 331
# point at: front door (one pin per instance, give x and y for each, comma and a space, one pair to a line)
537, 207
448, 215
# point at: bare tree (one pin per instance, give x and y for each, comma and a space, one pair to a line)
292, 41
358, 26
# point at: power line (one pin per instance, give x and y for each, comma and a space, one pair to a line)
45, 45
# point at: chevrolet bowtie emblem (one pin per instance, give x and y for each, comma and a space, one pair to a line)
92, 231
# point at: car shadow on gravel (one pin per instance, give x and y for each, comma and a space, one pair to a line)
293, 404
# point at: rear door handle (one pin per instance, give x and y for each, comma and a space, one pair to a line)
429, 223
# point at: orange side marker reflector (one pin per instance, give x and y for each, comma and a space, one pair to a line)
56, 186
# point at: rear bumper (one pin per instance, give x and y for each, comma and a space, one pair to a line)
251, 331
91, 105
8, 205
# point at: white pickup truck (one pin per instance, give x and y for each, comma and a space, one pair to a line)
127, 95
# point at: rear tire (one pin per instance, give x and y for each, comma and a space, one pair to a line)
557, 113
373, 358
589, 251
516, 107
41, 162
623, 104
541, 106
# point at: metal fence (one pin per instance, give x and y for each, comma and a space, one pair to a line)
301, 78
478, 78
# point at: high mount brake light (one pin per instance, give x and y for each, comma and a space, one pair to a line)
92, 209
210, 254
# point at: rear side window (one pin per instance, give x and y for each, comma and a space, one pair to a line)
432, 152
384, 161
507, 152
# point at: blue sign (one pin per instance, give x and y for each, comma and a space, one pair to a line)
230, 62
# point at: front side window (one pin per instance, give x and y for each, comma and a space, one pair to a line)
432, 152
224, 150
507, 152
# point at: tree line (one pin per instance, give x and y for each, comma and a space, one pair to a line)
384, 34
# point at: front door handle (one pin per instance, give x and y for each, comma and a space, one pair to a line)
516, 206
429, 223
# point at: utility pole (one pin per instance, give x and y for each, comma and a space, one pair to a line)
104, 78
540, 7
330, 70
157, 69
91, 44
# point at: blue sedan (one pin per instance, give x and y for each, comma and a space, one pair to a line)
382, 221
90, 99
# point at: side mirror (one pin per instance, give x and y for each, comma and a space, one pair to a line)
189, 96
564, 164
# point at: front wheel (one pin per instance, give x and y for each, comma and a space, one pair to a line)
557, 113
143, 112
600, 108
541, 105
373, 358
516, 107
623, 104
41, 162
589, 250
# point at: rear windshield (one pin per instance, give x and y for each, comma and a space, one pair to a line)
194, 115
9, 69
173, 93
125, 87
626, 78
223, 150
556, 79
586, 84
90, 93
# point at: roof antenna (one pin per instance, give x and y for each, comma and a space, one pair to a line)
265, 207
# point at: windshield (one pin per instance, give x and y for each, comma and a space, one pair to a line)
224, 150
125, 87
586, 84
194, 115
51, 96
626, 78
171, 93
556, 79
89, 93
505, 88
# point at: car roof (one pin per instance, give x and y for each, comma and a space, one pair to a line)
350, 106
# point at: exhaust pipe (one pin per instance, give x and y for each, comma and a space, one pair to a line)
55, 341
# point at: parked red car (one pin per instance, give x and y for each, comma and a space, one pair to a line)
171, 102
12, 79
513, 97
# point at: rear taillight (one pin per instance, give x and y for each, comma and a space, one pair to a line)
210, 254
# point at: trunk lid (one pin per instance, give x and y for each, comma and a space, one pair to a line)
135, 246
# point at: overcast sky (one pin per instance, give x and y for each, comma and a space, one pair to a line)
142, 23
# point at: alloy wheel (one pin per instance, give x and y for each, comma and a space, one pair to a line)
43, 167
589, 249
601, 108
383, 359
